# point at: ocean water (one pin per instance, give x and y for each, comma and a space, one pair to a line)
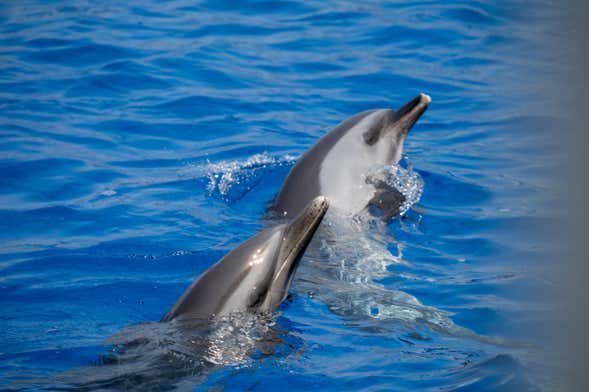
141, 142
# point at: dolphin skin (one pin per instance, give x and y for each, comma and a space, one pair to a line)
338, 164
256, 275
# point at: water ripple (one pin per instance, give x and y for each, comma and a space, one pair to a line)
140, 143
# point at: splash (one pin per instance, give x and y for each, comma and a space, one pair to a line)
164, 356
234, 337
405, 180
344, 267
231, 180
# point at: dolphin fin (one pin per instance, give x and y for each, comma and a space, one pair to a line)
387, 199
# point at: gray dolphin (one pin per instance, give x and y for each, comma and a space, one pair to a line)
197, 334
338, 164
256, 275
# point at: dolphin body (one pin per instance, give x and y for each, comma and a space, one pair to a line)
256, 275
343, 270
337, 166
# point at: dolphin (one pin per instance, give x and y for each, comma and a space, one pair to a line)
256, 275
221, 318
338, 165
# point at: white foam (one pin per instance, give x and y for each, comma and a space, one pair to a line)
230, 180
405, 180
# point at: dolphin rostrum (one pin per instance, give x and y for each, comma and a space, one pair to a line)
256, 275
337, 166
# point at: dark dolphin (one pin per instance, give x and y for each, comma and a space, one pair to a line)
338, 164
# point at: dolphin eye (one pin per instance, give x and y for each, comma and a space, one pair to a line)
370, 137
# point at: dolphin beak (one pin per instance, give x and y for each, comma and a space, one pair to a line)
409, 113
297, 236
301, 229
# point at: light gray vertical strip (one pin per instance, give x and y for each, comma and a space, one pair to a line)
576, 331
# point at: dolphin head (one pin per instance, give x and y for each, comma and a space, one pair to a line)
294, 238
337, 165
384, 131
255, 276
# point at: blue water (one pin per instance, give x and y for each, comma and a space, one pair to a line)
142, 142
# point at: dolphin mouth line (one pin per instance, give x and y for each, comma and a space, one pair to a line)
409, 113
321, 204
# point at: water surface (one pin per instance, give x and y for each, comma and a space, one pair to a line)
142, 142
